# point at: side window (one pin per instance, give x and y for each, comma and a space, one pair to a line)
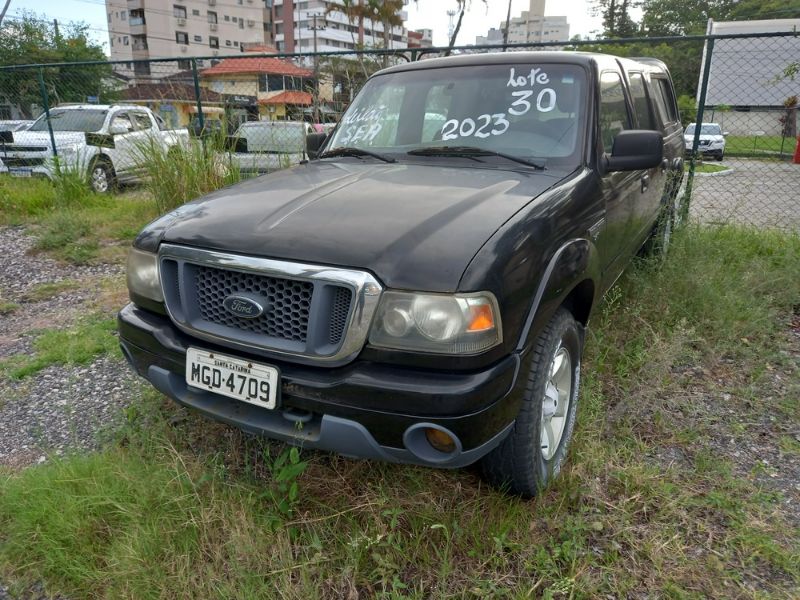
641, 107
669, 98
122, 120
613, 110
142, 121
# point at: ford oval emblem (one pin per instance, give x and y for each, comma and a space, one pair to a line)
242, 306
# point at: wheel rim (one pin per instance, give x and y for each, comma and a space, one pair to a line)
555, 405
99, 179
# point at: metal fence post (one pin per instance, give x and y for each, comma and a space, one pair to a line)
46, 101
698, 126
200, 118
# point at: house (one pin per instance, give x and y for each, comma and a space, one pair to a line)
746, 93
261, 87
174, 101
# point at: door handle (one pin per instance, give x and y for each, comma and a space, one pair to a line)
645, 183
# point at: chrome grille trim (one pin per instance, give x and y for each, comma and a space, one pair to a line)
366, 293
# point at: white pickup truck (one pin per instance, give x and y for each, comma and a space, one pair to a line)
106, 140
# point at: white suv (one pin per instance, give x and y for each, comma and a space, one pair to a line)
712, 140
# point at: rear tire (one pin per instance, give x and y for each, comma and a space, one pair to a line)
532, 454
102, 179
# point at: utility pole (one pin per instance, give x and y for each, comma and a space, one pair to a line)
508, 24
3, 12
315, 28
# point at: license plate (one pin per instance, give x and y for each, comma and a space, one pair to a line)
20, 172
233, 377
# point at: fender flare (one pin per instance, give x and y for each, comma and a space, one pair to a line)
576, 260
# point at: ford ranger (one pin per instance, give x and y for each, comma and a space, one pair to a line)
418, 292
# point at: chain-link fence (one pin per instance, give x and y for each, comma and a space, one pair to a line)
251, 113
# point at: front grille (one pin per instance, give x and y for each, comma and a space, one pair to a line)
288, 302
12, 161
311, 313
19, 148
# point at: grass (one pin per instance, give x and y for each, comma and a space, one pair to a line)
760, 146
702, 167
79, 227
651, 500
50, 289
79, 344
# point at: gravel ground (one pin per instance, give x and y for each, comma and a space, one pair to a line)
61, 408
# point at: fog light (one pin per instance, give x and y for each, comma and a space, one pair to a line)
440, 440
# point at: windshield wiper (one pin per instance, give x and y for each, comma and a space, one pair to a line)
471, 152
358, 152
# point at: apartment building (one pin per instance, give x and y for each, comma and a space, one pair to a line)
145, 29
530, 27
293, 28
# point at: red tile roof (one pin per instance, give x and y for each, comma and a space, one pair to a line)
289, 97
168, 91
253, 65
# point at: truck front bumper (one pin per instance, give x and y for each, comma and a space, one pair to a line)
363, 409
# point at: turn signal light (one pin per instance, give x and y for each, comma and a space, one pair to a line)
481, 318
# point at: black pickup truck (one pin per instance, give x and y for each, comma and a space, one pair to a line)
418, 292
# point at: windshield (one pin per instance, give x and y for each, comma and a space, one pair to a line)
74, 119
526, 110
278, 138
705, 130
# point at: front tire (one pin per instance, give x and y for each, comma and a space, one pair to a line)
101, 177
532, 454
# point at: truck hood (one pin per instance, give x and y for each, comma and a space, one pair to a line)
42, 138
414, 226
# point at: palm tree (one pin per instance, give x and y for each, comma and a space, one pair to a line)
352, 10
462, 8
386, 11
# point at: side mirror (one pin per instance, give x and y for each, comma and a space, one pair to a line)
315, 141
117, 129
636, 149
726, 133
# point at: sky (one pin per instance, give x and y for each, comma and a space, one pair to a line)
425, 14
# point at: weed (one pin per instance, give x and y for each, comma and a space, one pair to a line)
6, 307
77, 345
50, 289
181, 173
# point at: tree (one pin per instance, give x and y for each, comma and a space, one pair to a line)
617, 22
462, 8
32, 40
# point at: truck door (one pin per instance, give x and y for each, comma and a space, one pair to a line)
122, 129
621, 189
645, 209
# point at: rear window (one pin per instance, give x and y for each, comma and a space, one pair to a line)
665, 101
614, 116
640, 104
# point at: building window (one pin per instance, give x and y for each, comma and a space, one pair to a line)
125, 40
236, 43
213, 42
184, 65
178, 11
195, 12
227, 18
241, 23
227, 42
109, 17
212, 17
123, 15
198, 38
182, 37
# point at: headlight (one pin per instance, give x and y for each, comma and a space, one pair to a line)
142, 272
441, 323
